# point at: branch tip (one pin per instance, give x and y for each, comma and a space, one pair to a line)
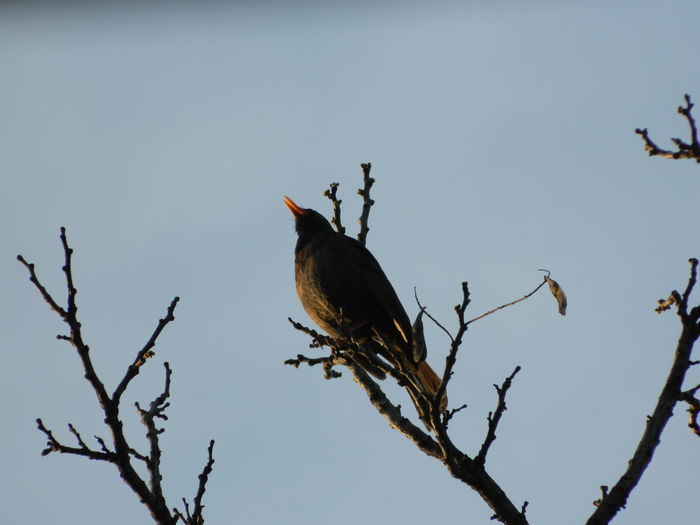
684, 150
367, 202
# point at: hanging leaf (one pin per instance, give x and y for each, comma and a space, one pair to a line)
558, 294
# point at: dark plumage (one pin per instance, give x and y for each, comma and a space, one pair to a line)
346, 293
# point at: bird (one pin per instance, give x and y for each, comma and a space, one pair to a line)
344, 290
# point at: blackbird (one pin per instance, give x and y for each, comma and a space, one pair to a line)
346, 293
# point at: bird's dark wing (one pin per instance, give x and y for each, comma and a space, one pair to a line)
369, 280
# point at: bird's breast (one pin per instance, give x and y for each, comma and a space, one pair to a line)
318, 291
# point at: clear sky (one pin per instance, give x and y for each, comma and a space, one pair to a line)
164, 137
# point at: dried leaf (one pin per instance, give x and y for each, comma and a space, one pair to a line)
558, 294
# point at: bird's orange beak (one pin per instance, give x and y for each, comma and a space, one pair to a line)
296, 210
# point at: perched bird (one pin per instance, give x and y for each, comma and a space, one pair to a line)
346, 293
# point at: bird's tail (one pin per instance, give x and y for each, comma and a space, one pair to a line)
427, 382
430, 381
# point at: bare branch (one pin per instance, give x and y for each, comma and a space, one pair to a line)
77, 436
145, 352
692, 280
138, 455
611, 503
367, 202
451, 413
44, 293
122, 453
69, 316
366, 359
441, 425
693, 410
391, 412
67, 269
458, 463
320, 340
148, 417
425, 310
495, 418
326, 363
103, 445
508, 304
332, 194
196, 518
685, 150
53, 445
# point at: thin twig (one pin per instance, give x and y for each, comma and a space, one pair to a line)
685, 150
693, 409
451, 455
197, 518
451, 358
77, 436
451, 413
692, 280
367, 202
507, 305
495, 417
425, 311
72, 309
332, 194
44, 293
148, 417
53, 445
103, 445
145, 352
320, 340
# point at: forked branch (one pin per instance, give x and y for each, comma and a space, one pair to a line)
685, 150
120, 453
615, 499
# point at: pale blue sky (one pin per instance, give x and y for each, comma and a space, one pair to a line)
164, 137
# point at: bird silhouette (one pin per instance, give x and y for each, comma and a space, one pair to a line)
345, 292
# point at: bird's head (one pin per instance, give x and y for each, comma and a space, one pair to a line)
308, 222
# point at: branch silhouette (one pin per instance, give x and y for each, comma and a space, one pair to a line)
615, 499
119, 452
685, 150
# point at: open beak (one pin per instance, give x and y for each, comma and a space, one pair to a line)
296, 210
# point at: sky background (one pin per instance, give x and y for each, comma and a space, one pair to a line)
164, 136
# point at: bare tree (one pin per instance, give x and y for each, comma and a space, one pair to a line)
470, 467
119, 452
